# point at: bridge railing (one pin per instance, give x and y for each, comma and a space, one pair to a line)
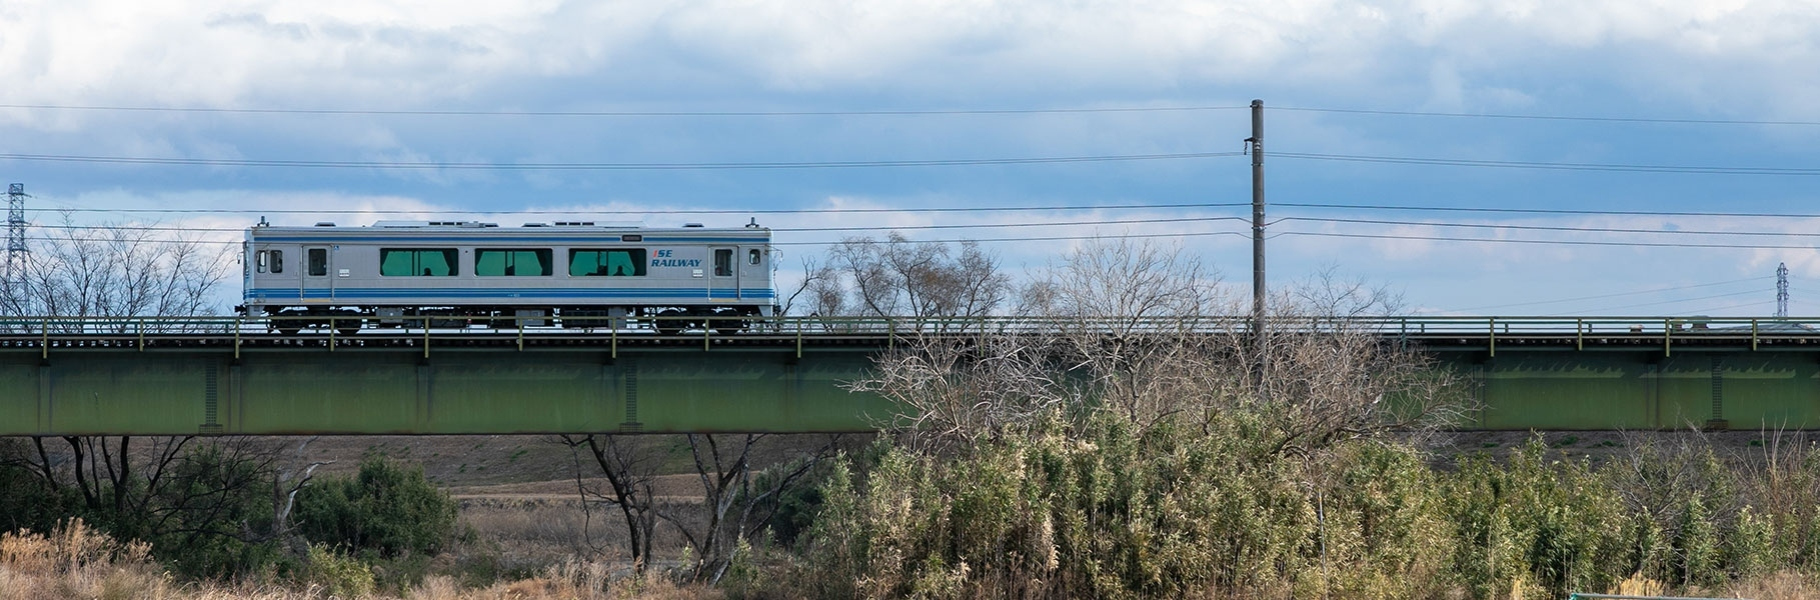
110, 327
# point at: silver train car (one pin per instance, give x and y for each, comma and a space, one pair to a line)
574, 274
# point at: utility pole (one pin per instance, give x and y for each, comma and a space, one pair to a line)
1260, 338
15, 234
1256, 146
1781, 290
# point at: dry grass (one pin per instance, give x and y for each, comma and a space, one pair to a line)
567, 580
533, 524
77, 562
1783, 585
529, 524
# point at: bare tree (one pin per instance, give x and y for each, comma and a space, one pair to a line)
955, 392
738, 498
897, 277
1126, 280
816, 282
736, 502
105, 276
630, 465
287, 482
117, 270
1148, 333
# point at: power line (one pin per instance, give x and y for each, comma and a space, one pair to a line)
1676, 301
1617, 295
905, 112
1556, 242
1555, 166
1648, 213
731, 212
1679, 121
1185, 234
1549, 227
335, 164
1717, 309
620, 113
1124, 236
1021, 224
880, 228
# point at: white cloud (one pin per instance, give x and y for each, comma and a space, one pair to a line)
1734, 59
416, 53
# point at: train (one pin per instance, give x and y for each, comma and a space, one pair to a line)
573, 274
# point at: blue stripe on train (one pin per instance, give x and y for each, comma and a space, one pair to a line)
520, 293
484, 241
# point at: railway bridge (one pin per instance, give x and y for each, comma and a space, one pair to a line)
231, 376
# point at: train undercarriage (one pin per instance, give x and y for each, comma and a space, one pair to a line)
665, 320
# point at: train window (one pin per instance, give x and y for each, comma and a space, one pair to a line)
277, 261
489, 262
418, 262
261, 257
319, 262
617, 262
723, 262
753, 256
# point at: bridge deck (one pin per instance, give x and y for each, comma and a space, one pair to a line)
225, 375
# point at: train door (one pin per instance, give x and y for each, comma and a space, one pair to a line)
724, 285
268, 278
318, 286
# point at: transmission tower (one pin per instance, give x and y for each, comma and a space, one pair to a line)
1781, 290
15, 233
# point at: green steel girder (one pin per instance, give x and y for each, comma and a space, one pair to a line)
781, 387
105, 392
1586, 390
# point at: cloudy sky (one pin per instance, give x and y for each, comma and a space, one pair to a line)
1512, 157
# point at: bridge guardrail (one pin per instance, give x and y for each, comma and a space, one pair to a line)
1413, 325
49, 331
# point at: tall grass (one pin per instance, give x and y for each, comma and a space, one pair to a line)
78, 562
1105, 510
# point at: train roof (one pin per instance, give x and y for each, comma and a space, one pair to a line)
476, 230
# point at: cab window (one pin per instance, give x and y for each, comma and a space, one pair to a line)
417, 262
269, 261
493, 262
723, 262
753, 256
615, 262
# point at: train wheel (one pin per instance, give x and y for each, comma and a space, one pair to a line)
726, 322
669, 322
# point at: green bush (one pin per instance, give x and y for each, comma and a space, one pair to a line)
386, 510
1537, 522
1101, 509
208, 516
25, 501
340, 576
1105, 510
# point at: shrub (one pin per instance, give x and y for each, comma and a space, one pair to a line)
385, 510
340, 576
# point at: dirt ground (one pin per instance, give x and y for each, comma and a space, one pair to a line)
464, 461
